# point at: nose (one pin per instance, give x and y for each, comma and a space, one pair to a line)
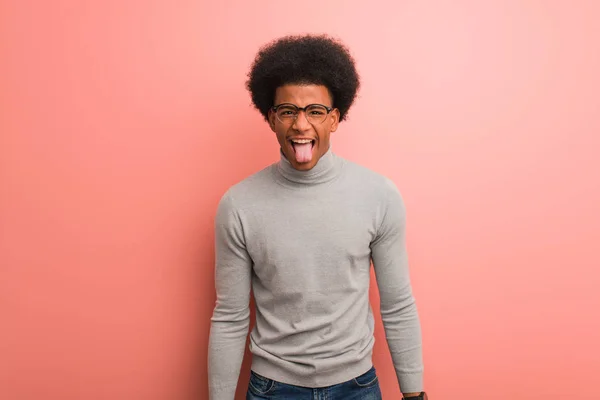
301, 122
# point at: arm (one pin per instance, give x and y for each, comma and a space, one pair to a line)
398, 308
231, 316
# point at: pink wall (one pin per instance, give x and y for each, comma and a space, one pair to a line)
123, 122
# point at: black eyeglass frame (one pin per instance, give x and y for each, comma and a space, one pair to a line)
274, 109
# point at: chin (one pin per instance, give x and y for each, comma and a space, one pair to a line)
304, 166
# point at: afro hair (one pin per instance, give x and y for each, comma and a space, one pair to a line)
305, 59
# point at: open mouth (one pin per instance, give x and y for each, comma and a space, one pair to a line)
303, 149
296, 142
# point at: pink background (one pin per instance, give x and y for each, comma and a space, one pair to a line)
123, 122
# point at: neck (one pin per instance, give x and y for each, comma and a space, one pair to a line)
326, 169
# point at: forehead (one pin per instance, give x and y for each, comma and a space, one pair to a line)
302, 95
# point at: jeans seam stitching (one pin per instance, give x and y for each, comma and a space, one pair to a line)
260, 391
365, 384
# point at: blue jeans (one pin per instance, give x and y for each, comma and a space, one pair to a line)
364, 387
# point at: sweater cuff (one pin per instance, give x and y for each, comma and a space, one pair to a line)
411, 383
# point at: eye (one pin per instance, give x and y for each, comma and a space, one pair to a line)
286, 111
316, 110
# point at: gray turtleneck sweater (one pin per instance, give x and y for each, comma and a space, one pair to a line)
303, 242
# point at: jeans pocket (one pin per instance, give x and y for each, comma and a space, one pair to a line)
260, 385
367, 380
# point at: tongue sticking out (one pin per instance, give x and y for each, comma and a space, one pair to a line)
303, 152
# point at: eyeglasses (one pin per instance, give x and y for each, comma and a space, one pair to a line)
315, 113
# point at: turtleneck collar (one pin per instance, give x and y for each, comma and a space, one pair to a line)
327, 169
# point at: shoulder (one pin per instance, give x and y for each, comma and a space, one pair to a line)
377, 183
249, 190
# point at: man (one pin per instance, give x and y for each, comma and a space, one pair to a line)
302, 234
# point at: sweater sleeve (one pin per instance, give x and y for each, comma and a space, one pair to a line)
231, 315
398, 308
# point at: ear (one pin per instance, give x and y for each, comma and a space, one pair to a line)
271, 117
334, 118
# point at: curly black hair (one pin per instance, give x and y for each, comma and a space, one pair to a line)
303, 59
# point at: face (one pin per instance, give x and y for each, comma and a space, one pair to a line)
294, 135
